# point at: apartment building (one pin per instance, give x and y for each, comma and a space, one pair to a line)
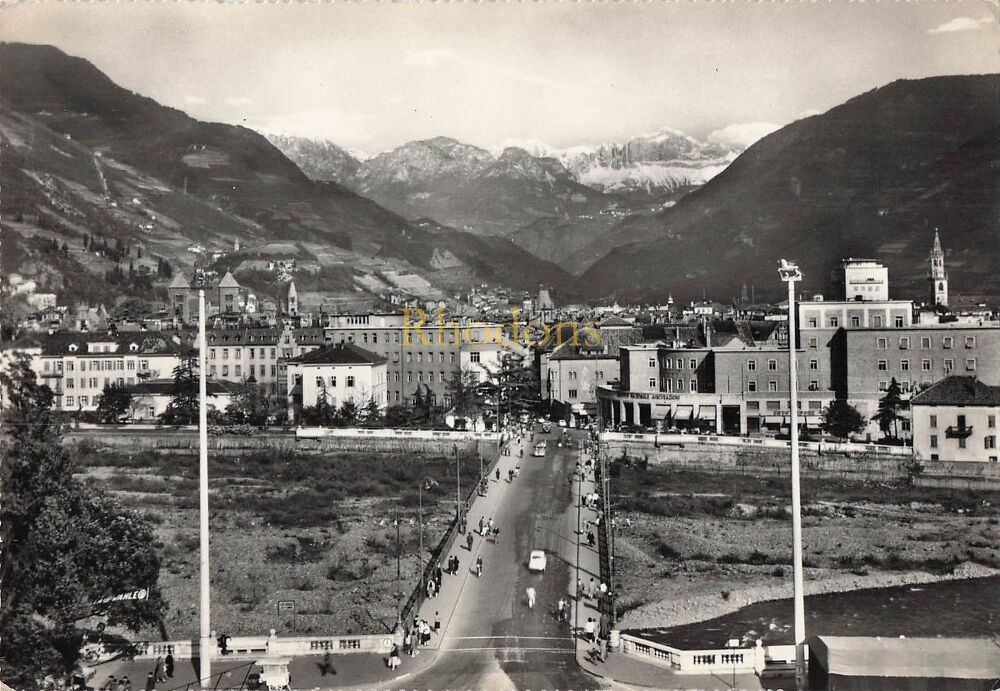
77, 366
244, 355
429, 366
570, 376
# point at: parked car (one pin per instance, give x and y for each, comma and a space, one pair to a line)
537, 561
546, 427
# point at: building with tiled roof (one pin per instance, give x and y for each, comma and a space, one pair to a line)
339, 373
77, 366
955, 419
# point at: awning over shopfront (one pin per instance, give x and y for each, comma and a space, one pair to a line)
774, 420
684, 412
706, 412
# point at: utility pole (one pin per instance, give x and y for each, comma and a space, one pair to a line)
398, 592
458, 487
790, 273
205, 652
579, 536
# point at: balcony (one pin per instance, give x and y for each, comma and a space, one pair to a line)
958, 431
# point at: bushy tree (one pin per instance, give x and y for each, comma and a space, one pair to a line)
114, 403
371, 414
467, 397
841, 419
65, 545
250, 405
349, 414
184, 402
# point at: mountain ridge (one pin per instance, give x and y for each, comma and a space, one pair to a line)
871, 177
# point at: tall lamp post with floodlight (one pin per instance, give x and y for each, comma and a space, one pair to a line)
790, 274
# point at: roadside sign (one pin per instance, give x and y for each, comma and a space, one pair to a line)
286, 605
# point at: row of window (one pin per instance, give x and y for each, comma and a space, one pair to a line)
991, 421
772, 385
238, 370
754, 406
573, 374
349, 381
833, 321
252, 353
669, 385
419, 357
927, 365
947, 342
94, 383
989, 442
95, 365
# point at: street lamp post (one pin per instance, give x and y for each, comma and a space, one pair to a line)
399, 593
458, 488
790, 274
205, 651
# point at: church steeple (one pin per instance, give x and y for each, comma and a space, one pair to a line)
938, 276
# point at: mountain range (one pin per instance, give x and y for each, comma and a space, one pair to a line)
872, 177
558, 204
85, 161
83, 156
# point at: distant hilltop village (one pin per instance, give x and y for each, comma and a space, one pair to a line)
705, 366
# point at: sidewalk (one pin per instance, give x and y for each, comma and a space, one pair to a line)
619, 669
452, 585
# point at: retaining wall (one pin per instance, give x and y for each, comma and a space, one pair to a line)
185, 440
862, 464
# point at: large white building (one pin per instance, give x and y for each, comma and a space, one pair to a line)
77, 366
341, 372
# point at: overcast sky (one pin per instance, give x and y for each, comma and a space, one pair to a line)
372, 76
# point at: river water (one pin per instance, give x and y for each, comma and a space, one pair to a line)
965, 608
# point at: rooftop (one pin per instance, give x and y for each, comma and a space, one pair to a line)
959, 390
339, 354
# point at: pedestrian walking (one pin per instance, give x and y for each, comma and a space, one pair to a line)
489, 525
394, 657
408, 643
111, 684
531, 597
438, 576
591, 588
480, 527
431, 588
158, 671
468, 541
479, 566
588, 630
168, 665
562, 609
437, 622
496, 535
150, 682
498, 473
425, 632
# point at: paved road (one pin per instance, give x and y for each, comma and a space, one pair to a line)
493, 641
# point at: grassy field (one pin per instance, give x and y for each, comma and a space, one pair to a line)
316, 530
688, 535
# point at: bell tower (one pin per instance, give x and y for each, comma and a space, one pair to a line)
938, 276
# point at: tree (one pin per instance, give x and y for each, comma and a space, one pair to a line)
396, 416
371, 413
348, 415
888, 416
511, 388
65, 544
842, 419
466, 395
184, 403
114, 403
250, 405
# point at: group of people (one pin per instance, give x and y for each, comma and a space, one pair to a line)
437, 575
162, 671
